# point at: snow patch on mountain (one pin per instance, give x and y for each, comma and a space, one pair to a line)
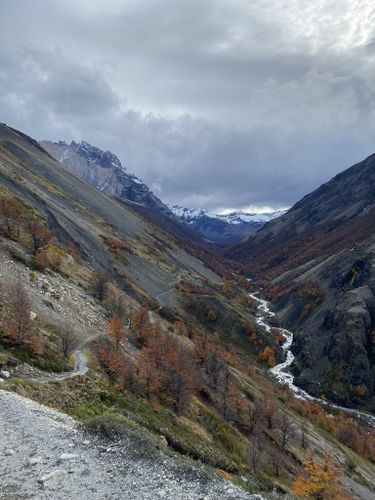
192, 215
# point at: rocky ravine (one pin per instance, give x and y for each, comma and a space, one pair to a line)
45, 454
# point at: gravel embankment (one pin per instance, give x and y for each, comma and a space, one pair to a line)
45, 454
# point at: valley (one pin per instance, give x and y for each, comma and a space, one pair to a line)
152, 344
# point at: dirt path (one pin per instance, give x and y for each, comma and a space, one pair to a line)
166, 293
80, 364
45, 455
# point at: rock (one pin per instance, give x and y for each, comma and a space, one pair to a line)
32, 315
86, 442
64, 457
9, 452
50, 475
163, 441
34, 461
4, 374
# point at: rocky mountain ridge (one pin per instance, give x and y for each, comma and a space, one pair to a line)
226, 229
105, 171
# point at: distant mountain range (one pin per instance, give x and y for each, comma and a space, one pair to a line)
106, 172
225, 229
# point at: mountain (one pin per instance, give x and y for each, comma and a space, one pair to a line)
318, 265
109, 319
225, 229
103, 170
106, 172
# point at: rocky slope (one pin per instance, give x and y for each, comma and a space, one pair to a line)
225, 229
79, 213
320, 263
106, 172
70, 463
103, 170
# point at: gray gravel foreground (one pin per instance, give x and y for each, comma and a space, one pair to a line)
44, 454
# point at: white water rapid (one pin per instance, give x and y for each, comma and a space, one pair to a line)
283, 376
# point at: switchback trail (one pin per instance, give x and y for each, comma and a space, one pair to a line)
167, 292
80, 364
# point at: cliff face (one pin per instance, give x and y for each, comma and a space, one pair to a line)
318, 263
105, 171
330, 305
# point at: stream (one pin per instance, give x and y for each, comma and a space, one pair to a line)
280, 371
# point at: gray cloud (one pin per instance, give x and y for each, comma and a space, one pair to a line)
216, 103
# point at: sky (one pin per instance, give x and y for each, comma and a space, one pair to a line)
219, 104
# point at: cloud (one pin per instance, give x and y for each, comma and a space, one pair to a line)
214, 103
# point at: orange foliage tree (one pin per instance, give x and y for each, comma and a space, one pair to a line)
321, 480
268, 356
116, 330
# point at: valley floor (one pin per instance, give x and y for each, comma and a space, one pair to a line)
45, 455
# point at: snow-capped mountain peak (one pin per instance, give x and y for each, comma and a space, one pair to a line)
188, 215
191, 215
241, 217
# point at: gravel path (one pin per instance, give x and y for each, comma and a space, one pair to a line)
46, 455
80, 365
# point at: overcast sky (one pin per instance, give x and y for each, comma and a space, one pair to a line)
213, 103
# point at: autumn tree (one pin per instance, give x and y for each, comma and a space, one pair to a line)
227, 289
234, 403
39, 235
212, 313
214, 367
183, 379
255, 414
11, 215
150, 377
286, 427
269, 413
142, 326
168, 371
35, 342
320, 480
200, 349
128, 375
249, 328
98, 282
114, 301
116, 330
18, 323
268, 356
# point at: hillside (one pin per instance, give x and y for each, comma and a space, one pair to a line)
163, 360
317, 262
104, 171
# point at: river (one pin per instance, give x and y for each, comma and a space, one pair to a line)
280, 371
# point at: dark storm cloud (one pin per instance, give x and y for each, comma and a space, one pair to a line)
224, 103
